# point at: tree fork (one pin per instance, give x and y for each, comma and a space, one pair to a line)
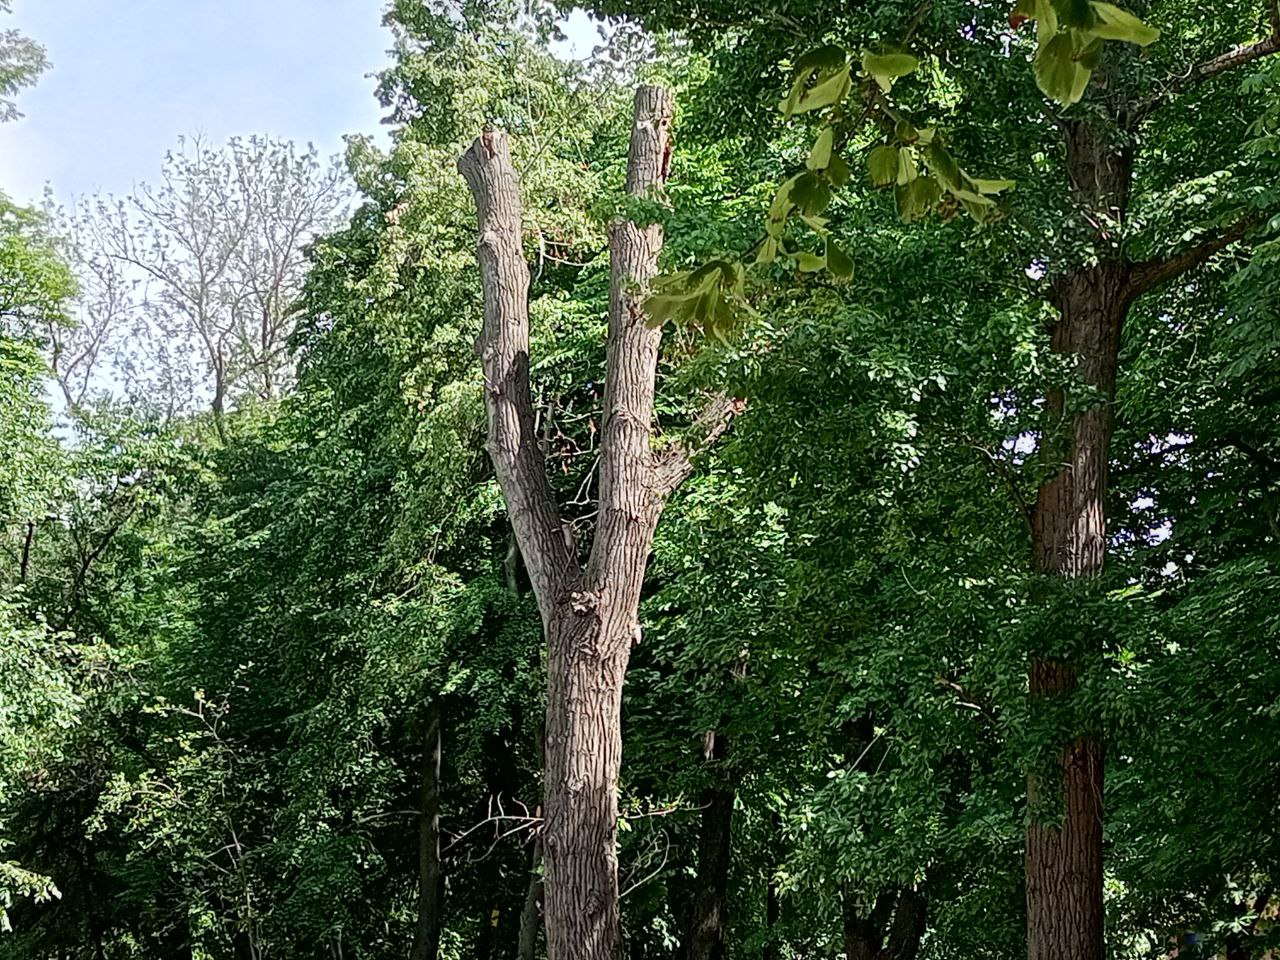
590, 614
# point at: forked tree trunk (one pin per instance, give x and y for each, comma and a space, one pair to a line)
589, 612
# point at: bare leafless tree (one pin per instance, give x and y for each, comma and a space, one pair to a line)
189, 285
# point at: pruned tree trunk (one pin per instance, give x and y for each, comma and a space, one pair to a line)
426, 941
705, 939
590, 612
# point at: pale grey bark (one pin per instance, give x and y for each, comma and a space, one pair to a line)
591, 612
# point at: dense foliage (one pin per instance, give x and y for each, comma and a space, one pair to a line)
249, 655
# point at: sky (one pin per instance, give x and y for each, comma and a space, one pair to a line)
130, 76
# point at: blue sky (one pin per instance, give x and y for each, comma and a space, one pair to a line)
130, 76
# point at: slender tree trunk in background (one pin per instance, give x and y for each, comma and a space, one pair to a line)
892, 930
25, 562
426, 942
772, 906
531, 911
1064, 860
590, 613
527, 946
705, 938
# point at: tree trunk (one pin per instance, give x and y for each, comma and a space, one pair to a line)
772, 904
590, 615
1064, 860
527, 945
896, 916
426, 941
706, 932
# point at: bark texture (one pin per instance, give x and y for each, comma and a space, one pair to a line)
426, 941
1064, 859
590, 613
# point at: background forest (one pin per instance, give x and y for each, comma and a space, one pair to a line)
273, 678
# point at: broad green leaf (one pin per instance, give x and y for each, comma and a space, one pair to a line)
780, 209
970, 197
809, 262
884, 68
810, 194
917, 198
1077, 14
831, 89
992, 186
816, 224
906, 166
1046, 21
1057, 72
838, 171
943, 165
839, 263
883, 164
820, 155
829, 58
1116, 24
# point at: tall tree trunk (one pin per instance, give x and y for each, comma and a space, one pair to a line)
1064, 859
590, 612
426, 941
706, 932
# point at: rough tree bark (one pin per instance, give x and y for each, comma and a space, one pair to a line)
1064, 860
705, 939
1064, 865
426, 941
589, 611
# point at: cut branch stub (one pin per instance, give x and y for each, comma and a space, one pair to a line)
629, 504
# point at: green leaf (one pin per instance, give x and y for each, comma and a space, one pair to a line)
829, 59
1116, 24
887, 67
917, 198
943, 165
1077, 14
820, 155
838, 171
809, 262
838, 262
825, 92
968, 196
906, 166
883, 164
780, 209
810, 194
1046, 21
992, 186
1058, 73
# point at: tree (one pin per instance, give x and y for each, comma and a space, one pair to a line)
22, 60
590, 612
1094, 276
204, 268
